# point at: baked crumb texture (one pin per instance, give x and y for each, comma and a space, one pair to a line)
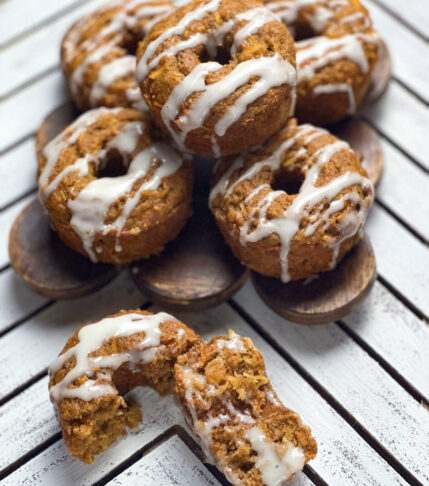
114, 190
218, 76
233, 409
98, 52
104, 360
336, 52
294, 207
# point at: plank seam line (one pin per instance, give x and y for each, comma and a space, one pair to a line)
29, 455
395, 144
330, 399
22, 320
383, 363
18, 142
407, 303
399, 220
408, 25
39, 26
411, 91
18, 199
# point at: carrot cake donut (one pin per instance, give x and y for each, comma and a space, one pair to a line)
294, 207
336, 52
113, 190
230, 405
104, 360
98, 52
218, 75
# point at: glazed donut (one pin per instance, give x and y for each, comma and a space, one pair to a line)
336, 52
104, 360
113, 191
294, 207
218, 76
98, 52
230, 405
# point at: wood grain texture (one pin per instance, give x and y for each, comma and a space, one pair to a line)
343, 458
46, 265
375, 401
327, 298
195, 271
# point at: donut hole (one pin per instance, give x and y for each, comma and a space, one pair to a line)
289, 183
222, 56
112, 165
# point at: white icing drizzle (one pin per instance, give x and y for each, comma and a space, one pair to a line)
338, 88
89, 208
120, 67
275, 469
91, 338
287, 225
348, 19
263, 67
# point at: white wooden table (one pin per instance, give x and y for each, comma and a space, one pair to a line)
361, 384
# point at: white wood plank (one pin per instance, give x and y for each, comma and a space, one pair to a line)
396, 334
7, 217
28, 349
35, 421
18, 172
19, 16
25, 110
362, 387
402, 259
404, 119
343, 458
171, 463
16, 300
410, 60
415, 13
20, 68
403, 187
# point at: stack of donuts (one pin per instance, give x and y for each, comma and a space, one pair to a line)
158, 82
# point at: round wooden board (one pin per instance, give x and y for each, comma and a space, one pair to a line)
364, 141
380, 76
327, 298
48, 266
56, 121
195, 271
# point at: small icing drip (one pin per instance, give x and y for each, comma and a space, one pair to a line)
91, 338
108, 74
318, 52
90, 207
257, 17
126, 140
320, 18
288, 10
338, 88
233, 343
271, 397
287, 225
180, 333
348, 19
134, 96
275, 469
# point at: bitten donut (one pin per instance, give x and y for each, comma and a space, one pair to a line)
218, 75
104, 360
294, 207
336, 52
98, 52
113, 190
231, 406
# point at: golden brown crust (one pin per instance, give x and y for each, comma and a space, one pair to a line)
157, 217
224, 392
343, 19
90, 427
261, 118
308, 254
108, 34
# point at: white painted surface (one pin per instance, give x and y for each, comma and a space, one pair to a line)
32, 86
